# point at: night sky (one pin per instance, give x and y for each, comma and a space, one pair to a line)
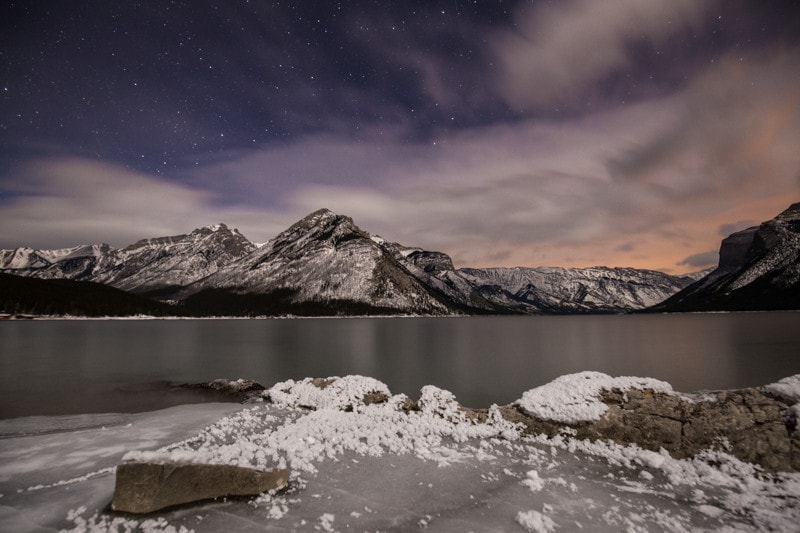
505, 133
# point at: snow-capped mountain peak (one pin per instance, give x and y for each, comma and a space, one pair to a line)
327, 260
325, 264
144, 266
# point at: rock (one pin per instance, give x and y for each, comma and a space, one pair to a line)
148, 487
240, 390
753, 425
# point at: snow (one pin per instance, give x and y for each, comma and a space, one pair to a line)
575, 398
535, 521
336, 393
548, 288
390, 466
788, 387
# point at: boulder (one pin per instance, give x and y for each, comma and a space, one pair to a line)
240, 390
146, 487
750, 424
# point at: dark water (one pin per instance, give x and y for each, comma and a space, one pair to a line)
60, 367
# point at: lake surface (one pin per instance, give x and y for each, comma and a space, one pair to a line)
82, 366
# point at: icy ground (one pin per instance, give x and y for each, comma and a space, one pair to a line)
359, 467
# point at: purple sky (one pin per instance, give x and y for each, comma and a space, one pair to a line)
569, 133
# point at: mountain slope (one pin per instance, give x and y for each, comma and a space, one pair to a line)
326, 265
759, 269
574, 290
145, 267
323, 264
156, 264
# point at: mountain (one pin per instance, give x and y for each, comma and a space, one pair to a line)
759, 269
322, 265
148, 267
326, 265
574, 290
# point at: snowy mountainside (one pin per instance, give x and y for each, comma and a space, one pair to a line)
152, 264
326, 260
325, 264
759, 268
27, 258
147, 265
435, 270
65, 263
570, 290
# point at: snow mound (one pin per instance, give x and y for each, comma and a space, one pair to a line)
330, 417
535, 521
575, 398
788, 388
335, 393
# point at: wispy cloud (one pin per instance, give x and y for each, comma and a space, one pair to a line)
61, 202
646, 184
560, 50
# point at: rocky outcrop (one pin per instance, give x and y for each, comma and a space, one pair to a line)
750, 424
240, 390
146, 487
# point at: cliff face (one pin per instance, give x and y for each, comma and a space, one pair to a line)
759, 269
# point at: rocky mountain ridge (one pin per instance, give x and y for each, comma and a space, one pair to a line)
327, 260
143, 267
325, 264
580, 290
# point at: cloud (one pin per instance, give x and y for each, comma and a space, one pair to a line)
639, 185
645, 185
727, 229
735, 131
557, 51
60, 202
701, 260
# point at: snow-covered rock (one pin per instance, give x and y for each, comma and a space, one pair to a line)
576, 398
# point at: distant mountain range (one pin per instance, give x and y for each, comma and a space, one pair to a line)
325, 265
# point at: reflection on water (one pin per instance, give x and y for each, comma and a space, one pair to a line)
55, 367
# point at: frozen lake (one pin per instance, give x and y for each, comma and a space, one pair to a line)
84, 366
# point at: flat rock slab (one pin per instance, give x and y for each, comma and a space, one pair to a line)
147, 487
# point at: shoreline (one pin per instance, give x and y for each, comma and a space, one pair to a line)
362, 458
